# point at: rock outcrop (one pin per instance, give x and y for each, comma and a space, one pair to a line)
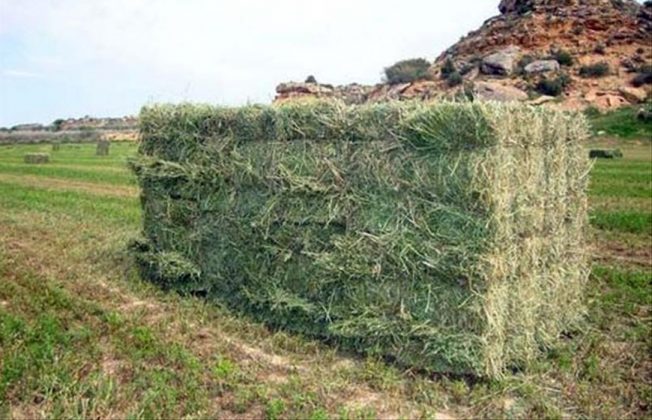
535, 47
542, 66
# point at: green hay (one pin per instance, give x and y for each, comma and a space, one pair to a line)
605, 154
449, 237
102, 148
37, 158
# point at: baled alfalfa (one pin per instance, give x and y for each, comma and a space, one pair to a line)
37, 158
102, 147
447, 236
605, 154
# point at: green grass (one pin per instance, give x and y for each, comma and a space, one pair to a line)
623, 221
78, 205
82, 336
63, 172
621, 123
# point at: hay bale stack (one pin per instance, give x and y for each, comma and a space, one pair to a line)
102, 147
37, 158
447, 236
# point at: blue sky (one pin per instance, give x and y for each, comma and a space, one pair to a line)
70, 58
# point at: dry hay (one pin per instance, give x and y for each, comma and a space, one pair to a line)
37, 158
448, 236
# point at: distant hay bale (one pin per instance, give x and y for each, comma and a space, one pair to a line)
37, 158
102, 147
448, 236
605, 154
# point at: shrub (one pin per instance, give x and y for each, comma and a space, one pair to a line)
408, 230
450, 74
311, 79
563, 57
600, 49
553, 87
407, 71
644, 115
600, 69
454, 79
623, 122
447, 69
644, 77
56, 124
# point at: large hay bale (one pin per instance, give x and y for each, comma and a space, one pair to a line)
37, 158
447, 236
102, 147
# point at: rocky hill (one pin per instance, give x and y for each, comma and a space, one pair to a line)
572, 53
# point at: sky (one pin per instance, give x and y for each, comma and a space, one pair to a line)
70, 58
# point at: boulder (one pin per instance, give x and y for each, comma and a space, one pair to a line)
500, 63
542, 66
420, 90
605, 100
634, 95
490, 91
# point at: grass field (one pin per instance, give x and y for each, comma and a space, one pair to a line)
82, 336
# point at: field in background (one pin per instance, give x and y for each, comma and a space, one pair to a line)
82, 335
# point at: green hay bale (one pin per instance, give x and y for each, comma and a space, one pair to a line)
102, 147
448, 236
37, 158
605, 154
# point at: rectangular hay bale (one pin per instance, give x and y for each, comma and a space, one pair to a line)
37, 158
102, 148
448, 236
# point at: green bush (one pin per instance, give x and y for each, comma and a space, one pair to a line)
644, 77
407, 71
564, 58
454, 79
623, 122
448, 68
553, 87
600, 69
310, 79
450, 74
600, 48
